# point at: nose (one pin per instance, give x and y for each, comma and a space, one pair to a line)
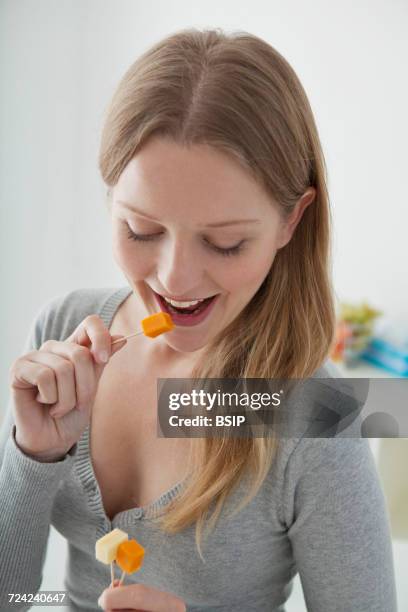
180, 269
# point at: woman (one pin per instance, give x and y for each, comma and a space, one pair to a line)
217, 192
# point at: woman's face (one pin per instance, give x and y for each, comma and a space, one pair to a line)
208, 229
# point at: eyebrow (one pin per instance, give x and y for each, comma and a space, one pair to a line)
219, 224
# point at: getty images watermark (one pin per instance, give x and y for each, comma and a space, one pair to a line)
257, 407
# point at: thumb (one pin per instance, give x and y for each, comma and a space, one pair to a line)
116, 347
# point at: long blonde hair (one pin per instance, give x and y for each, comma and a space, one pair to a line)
236, 93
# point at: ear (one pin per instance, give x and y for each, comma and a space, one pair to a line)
289, 225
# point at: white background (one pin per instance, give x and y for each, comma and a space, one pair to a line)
59, 65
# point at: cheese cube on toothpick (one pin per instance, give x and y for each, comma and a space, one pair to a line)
129, 557
106, 547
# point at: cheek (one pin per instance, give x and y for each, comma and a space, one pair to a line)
129, 259
248, 274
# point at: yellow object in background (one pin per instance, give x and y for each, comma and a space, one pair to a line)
157, 324
362, 314
354, 330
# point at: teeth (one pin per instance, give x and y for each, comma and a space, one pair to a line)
182, 304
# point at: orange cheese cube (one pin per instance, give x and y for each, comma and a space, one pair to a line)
129, 556
157, 324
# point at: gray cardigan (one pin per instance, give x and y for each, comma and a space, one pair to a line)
320, 512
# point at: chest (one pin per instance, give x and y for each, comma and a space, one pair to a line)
133, 466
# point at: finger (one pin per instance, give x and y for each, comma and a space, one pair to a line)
93, 332
84, 371
140, 597
64, 373
27, 375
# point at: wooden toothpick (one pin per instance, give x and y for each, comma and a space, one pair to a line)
126, 337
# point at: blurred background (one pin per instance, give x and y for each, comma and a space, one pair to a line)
59, 65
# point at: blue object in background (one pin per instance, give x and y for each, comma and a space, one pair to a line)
389, 350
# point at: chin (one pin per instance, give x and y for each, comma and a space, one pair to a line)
184, 345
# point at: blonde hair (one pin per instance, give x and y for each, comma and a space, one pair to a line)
237, 94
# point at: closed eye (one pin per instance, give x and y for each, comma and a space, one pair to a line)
234, 250
141, 237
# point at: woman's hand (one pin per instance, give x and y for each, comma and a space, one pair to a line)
54, 388
139, 598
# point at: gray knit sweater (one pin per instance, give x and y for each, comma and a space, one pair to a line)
320, 512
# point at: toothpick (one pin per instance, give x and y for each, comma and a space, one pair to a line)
126, 337
112, 573
122, 578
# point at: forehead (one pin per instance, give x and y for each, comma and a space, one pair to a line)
166, 177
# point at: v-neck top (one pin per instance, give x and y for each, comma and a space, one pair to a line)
91, 488
84, 464
320, 512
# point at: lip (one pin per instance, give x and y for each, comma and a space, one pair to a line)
182, 321
183, 299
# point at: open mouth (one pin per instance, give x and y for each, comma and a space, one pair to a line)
191, 314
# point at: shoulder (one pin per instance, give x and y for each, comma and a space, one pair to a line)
316, 459
60, 315
320, 474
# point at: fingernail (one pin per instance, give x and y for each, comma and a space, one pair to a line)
103, 356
